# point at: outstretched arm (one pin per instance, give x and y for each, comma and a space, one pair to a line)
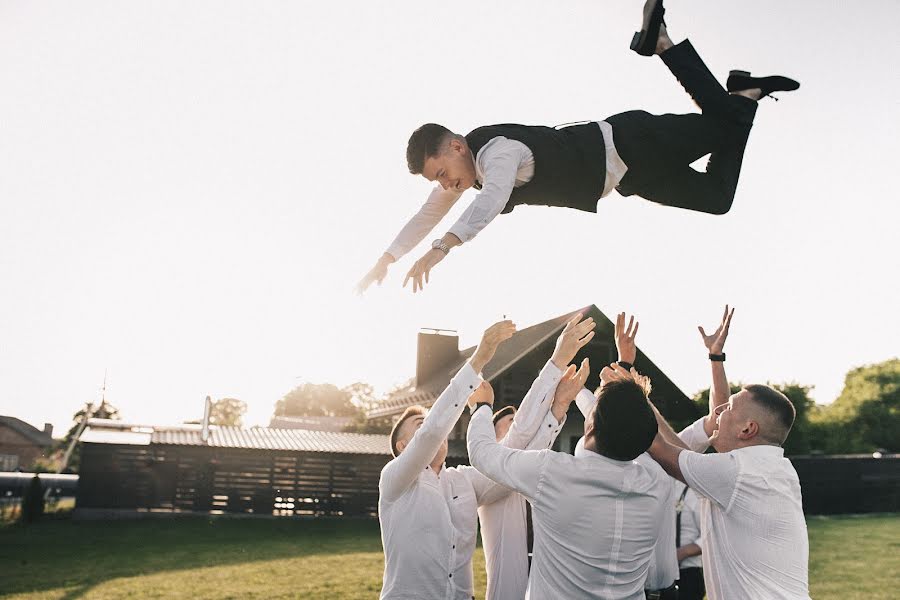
420, 224
500, 160
719, 390
403, 470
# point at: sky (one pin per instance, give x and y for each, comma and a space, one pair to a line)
190, 191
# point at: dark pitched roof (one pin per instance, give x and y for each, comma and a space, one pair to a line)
516, 347
32, 433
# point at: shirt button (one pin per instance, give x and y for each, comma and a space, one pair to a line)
454, 546
451, 575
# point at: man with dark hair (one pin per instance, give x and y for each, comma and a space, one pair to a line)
427, 555
541, 415
595, 514
635, 153
754, 532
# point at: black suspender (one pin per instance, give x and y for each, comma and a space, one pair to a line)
679, 506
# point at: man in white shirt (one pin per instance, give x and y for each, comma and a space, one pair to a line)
595, 514
504, 530
634, 152
755, 543
427, 511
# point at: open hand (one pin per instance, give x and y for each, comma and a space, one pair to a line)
422, 268
625, 338
570, 384
376, 274
573, 338
616, 372
492, 337
715, 343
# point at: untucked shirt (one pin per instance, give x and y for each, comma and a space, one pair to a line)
595, 518
755, 542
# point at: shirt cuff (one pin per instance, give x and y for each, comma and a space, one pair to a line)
465, 234
585, 401
467, 379
396, 251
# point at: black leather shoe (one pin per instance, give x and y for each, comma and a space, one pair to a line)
644, 41
741, 80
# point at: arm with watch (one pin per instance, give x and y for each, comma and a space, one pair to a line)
719, 390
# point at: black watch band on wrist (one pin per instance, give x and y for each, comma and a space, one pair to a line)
480, 404
625, 365
717, 357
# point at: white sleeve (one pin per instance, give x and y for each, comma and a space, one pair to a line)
403, 470
534, 408
435, 208
694, 436
499, 160
585, 401
519, 470
713, 476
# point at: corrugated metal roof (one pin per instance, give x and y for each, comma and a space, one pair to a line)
263, 438
92, 435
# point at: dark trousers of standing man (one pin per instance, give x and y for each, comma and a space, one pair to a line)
690, 584
658, 149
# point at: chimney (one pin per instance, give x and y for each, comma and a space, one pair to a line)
436, 350
48, 430
204, 431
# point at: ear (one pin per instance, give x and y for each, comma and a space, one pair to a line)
457, 145
401, 444
749, 431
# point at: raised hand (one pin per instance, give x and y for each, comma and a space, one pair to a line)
715, 343
573, 338
483, 393
422, 268
376, 274
625, 338
616, 372
567, 389
492, 337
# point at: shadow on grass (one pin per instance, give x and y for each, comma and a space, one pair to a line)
62, 554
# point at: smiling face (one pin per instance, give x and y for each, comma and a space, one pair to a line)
453, 167
735, 423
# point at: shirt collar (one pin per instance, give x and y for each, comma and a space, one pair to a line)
762, 450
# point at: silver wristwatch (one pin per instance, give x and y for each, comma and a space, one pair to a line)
440, 245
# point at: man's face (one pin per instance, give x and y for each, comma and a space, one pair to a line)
732, 422
501, 427
453, 167
409, 428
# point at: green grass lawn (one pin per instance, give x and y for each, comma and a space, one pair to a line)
850, 557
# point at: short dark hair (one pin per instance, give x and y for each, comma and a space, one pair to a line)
624, 423
776, 404
506, 410
411, 411
424, 143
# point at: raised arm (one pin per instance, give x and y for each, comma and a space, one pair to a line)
427, 440
719, 390
419, 225
535, 415
499, 160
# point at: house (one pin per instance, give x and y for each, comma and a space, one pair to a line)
21, 444
516, 364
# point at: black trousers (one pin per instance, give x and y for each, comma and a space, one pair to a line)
691, 585
658, 149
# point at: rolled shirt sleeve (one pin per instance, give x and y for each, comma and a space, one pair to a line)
694, 436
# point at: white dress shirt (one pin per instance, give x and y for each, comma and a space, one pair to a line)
504, 531
754, 533
501, 165
595, 518
663, 568
690, 525
429, 520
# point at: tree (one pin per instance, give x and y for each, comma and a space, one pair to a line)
866, 416
33, 501
104, 411
316, 400
227, 412
362, 395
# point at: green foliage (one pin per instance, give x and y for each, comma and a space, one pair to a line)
362, 395
227, 412
316, 400
33, 502
866, 416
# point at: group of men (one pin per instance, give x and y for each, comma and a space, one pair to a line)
624, 517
